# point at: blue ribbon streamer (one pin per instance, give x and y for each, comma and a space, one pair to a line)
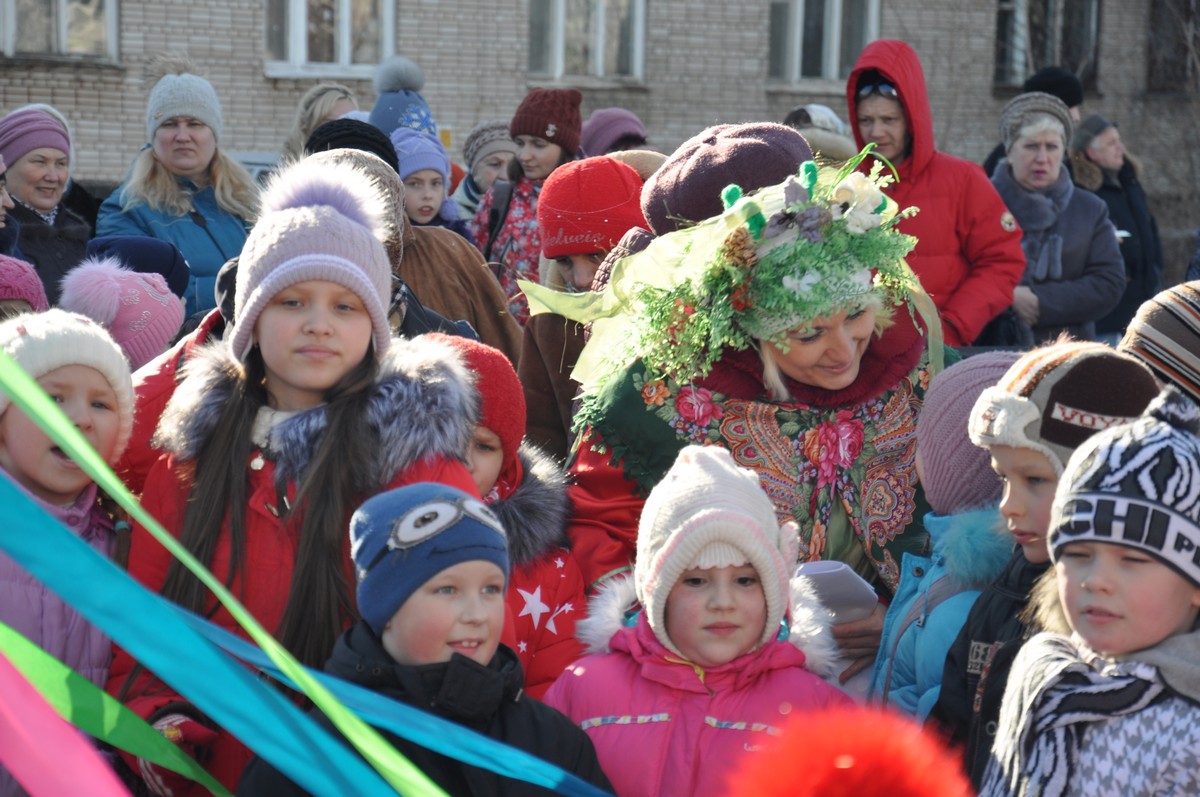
153, 631
410, 723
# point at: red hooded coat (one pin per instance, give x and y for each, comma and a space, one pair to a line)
968, 255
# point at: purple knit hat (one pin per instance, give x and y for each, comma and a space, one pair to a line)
687, 188
607, 126
957, 475
18, 280
416, 151
21, 132
319, 221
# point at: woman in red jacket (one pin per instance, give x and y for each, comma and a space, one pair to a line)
968, 254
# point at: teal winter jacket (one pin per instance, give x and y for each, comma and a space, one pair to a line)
207, 237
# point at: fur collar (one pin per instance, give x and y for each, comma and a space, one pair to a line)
535, 514
423, 406
1090, 176
809, 629
974, 545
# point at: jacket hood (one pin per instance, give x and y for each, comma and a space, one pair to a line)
1090, 176
423, 406
614, 606
898, 63
1178, 661
975, 546
535, 514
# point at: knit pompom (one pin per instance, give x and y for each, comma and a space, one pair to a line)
346, 189
398, 74
93, 288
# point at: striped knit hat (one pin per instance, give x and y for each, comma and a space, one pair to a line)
1165, 335
1055, 397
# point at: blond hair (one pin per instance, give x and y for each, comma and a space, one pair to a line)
314, 106
773, 376
151, 184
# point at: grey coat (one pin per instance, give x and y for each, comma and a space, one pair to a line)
1072, 258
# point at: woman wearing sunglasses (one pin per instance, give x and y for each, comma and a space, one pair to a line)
968, 254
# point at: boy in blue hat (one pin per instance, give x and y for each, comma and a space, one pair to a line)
431, 563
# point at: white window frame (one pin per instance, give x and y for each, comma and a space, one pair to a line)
8, 32
794, 57
297, 64
1021, 62
557, 43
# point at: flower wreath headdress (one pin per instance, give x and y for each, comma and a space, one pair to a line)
822, 241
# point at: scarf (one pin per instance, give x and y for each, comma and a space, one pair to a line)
1057, 688
1037, 212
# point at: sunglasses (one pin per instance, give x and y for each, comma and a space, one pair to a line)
882, 89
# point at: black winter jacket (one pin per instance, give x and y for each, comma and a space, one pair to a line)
486, 699
52, 249
978, 663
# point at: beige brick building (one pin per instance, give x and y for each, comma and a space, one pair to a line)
679, 64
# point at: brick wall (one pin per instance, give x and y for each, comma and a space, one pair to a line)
705, 63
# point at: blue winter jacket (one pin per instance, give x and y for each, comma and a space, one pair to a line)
207, 237
970, 550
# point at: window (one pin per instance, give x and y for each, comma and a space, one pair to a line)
1032, 34
818, 38
334, 38
59, 27
579, 38
1175, 51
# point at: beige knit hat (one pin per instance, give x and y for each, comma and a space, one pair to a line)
44, 342
709, 512
318, 222
1021, 109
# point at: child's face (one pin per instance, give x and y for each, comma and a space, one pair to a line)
485, 458
537, 156
1121, 600
1029, 482
423, 195
716, 614
460, 610
311, 334
32, 458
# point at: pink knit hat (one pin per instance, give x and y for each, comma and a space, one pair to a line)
18, 280
137, 309
958, 476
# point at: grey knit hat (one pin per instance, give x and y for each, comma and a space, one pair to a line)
318, 222
484, 139
1022, 108
1089, 128
183, 94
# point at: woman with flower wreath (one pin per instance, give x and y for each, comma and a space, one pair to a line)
767, 330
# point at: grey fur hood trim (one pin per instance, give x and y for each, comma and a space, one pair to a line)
424, 405
1090, 176
809, 629
535, 515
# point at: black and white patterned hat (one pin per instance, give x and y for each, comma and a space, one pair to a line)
1137, 485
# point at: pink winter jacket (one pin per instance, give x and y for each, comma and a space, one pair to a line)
663, 727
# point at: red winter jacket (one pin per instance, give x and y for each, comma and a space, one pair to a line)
421, 414
968, 254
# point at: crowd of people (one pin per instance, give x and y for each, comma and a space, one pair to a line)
545, 442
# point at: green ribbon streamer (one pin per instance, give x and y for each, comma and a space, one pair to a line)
95, 712
28, 395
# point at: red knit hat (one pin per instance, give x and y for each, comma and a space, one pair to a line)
552, 114
501, 400
586, 206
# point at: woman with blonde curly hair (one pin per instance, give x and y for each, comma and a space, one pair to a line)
182, 188
322, 103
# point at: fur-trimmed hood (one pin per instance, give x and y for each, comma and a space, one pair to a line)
535, 514
1090, 176
423, 406
974, 546
808, 628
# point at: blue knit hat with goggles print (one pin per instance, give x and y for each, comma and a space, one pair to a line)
402, 538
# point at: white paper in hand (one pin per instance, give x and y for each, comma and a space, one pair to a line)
844, 593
